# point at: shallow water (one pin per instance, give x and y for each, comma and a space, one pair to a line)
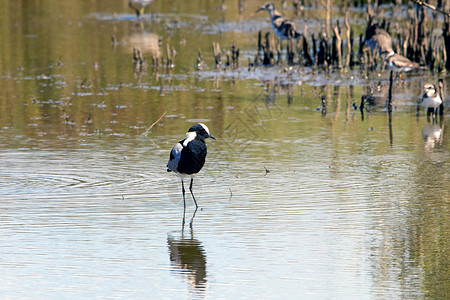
292, 201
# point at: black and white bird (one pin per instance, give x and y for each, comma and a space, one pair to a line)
188, 155
431, 98
283, 27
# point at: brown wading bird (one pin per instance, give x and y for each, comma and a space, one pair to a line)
399, 63
283, 27
139, 6
378, 39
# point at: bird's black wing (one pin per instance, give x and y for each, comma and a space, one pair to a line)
193, 157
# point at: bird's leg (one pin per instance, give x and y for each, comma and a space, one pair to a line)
135, 9
430, 113
192, 219
190, 188
182, 189
182, 223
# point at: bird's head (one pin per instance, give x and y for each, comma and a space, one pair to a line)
387, 53
201, 130
428, 87
269, 7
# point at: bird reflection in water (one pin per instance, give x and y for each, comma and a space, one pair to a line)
139, 6
188, 257
432, 134
143, 45
148, 42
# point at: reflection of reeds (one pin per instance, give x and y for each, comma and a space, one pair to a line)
138, 59
200, 60
217, 54
323, 105
234, 53
140, 64
171, 53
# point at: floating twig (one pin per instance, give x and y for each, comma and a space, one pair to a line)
154, 123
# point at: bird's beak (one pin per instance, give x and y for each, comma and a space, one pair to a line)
260, 9
212, 137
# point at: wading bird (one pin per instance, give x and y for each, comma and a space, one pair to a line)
188, 156
283, 27
431, 98
378, 39
400, 63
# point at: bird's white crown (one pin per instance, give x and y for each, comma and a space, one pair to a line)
204, 127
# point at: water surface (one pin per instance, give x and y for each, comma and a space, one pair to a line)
293, 201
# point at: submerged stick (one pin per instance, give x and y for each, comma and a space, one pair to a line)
290, 51
314, 50
441, 94
234, 55
361, 107
390, 108
323, 105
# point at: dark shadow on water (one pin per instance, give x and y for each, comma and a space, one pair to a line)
188, 257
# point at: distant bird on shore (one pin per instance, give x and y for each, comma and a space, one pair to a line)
188, 156
139, 6
400, 63
283, 27
431, 98
378, 39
